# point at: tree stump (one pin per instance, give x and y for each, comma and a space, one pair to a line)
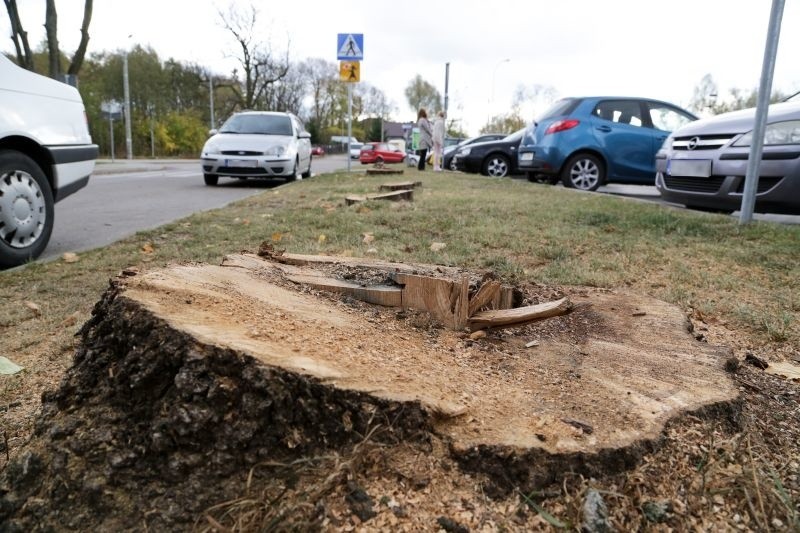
189, 375
384, 171
394, 196
400, 185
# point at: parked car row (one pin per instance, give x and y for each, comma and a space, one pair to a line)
587, 142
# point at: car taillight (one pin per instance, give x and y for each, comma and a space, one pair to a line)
561, 125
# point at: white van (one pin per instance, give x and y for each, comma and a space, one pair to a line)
46, 154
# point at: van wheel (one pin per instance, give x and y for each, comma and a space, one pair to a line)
26, 209
583, 171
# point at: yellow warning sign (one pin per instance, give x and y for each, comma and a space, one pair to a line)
350, 71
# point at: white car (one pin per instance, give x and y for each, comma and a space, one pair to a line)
258, 144
46, 154
355, 150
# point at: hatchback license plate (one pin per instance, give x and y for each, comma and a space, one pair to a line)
241, 163
694, 168
526, 156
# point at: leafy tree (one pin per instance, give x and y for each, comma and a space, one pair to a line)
704, 96
25, 56
421, 94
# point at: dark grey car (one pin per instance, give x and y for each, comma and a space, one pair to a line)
703, 164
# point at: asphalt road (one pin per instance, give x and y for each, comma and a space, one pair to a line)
124, 197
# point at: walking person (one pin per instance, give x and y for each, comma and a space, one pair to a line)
438, 141
425, 137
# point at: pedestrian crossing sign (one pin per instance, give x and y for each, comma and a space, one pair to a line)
350, 46
349, 71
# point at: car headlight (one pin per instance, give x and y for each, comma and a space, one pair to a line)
277, 150
779, 133
464, 151
211, 149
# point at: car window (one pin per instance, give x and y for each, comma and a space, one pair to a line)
619, 111
516, 136
667, 118
259, 124
564, 106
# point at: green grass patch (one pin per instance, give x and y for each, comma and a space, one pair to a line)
747, 276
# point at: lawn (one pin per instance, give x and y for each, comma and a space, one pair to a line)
740, 286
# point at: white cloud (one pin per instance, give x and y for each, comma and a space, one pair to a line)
580, 47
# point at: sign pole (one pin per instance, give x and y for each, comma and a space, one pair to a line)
762, 107
349, 122
111, 134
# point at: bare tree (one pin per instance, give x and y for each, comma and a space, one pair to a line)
20, 38
260, 67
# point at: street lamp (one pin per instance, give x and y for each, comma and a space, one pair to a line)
491, 100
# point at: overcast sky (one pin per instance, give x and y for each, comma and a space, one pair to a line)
646, 48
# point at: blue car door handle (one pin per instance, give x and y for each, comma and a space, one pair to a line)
604, 129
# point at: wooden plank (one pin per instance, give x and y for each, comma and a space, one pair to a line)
400, 186
461, 307
484, 296
395, 196
373, 294
519, 315
426, 293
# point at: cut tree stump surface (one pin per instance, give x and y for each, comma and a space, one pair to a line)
395, 196
608, 376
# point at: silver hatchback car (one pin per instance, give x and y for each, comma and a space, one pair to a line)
258, 144
703, 164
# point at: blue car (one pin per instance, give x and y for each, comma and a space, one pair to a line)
590, 141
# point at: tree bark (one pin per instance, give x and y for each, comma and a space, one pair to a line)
53, 52
77, 58
19, 36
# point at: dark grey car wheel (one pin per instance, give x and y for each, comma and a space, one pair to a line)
26, 209
210, 179
496, 166
583, 171
307, 173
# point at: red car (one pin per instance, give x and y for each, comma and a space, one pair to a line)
317, 150
380, 152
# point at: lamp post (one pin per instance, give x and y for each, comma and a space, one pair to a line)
127, 91
491, 99
128, 138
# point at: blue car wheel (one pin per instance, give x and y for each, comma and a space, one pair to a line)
583, 171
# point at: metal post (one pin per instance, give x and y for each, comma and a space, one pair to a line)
446, 87
211, 98
128, 138
111, 134
762, 107
349, 121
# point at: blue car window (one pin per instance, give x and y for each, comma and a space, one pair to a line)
620, 111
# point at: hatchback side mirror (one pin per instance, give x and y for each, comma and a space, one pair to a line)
303, 135
212, 132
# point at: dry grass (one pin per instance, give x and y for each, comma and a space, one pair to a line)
740, 286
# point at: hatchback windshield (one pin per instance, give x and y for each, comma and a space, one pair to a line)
258, 124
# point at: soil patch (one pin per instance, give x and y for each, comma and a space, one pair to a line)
189, 377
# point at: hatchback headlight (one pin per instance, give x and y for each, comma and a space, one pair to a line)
277, 150
211, 149
464, 151
779, 133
